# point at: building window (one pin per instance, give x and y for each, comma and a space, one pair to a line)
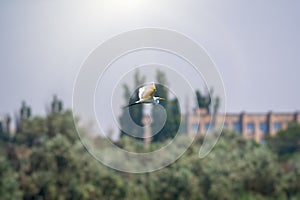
277, 126
237, 127
250, 127
195, 127
207, 126
263, 127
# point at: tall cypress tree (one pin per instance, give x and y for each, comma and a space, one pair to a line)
136, 112
204, 101
171, 106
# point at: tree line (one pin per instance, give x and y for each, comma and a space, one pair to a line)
46, 160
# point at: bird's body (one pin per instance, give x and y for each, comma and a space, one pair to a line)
146, 95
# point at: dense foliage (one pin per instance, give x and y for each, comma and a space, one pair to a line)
286, 142
46, 160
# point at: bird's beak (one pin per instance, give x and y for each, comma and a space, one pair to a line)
161, 99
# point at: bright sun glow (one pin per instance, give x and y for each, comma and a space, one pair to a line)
127, 5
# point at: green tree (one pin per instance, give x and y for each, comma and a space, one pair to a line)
55, 165
1, 131
174, 182
32, 131
47, 174
238, 167
25, 111
172, 109
9, 185
7, 124
216, 106
203, 101
286, 142
56, 105
4, 131
136, 112
291, 179
61, 123
173, 120
161, 90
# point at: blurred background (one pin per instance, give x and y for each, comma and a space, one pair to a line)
255, 46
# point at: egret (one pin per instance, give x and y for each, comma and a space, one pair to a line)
146, 95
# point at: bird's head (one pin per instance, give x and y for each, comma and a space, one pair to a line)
157, 99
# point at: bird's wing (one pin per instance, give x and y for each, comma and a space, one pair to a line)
135, 103
147, 92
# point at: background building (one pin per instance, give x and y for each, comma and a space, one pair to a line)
250, 125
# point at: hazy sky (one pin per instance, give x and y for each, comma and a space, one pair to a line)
255, 45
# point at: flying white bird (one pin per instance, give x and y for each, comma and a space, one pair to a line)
146, 95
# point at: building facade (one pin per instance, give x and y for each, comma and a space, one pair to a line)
251, 125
